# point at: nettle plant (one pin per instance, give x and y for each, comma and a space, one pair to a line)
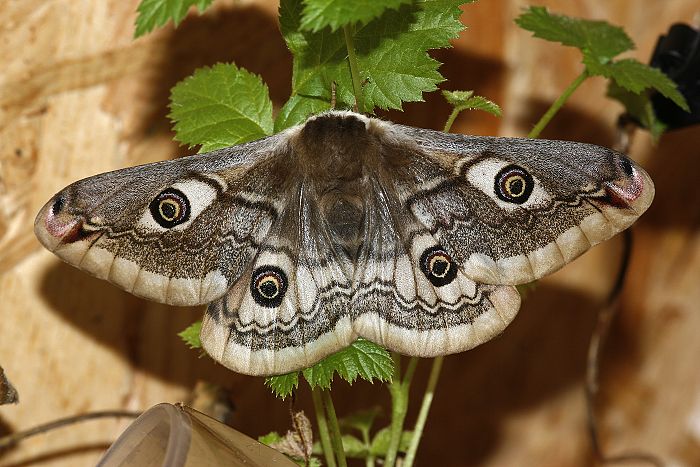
371, 55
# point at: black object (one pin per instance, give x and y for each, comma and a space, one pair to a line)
678, 55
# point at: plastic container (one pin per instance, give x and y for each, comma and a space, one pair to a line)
175, 435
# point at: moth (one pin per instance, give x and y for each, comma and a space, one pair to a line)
346, 226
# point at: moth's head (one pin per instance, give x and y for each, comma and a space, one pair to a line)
332, 133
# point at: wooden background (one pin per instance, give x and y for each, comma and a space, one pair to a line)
78, 96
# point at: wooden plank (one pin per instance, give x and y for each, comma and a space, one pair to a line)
78, 96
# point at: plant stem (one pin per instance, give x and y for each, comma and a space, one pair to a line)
336, 438
369, 460
451, 119
410, 369
424, 409
323, 427
554, 108
432, 379
399, 406
348, 32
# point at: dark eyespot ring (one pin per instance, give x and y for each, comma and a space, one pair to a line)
268, 286
438, 266
58, 205
170, 208
626, 166
513, 184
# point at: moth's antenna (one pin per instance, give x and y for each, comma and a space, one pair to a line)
333, 96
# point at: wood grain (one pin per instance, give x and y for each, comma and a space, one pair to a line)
78, 96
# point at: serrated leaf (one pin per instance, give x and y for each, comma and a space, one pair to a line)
270, 438
361, 421
354, 447
156, 13
283, 385
466, 100
391, 53
639, 106
297, 109
191, 335
636, 77
363, 359
220, 106
319, 14
381, 440
598, 40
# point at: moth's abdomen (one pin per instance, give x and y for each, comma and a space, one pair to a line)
344, 217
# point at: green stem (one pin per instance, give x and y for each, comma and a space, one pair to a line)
323, 427
554, 108
348, 32
410, 369
369, 460
451, 119
399, 406
336, 438
424, 409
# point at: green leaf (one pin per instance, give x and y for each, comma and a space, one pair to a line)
636, 77
283, 385
270, 438
155, 13
337, 13
191, 335
297, 110
362, 359
361, 421
466, 100
639, 106
391, 52
353, 447
380, 442
219, 107
598, 40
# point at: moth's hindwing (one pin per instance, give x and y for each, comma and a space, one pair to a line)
292, 307
412, 297
346, 226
